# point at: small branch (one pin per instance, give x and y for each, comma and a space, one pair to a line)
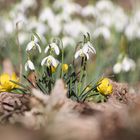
19, 52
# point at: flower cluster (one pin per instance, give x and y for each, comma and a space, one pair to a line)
54, 68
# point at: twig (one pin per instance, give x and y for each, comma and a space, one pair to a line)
19, 52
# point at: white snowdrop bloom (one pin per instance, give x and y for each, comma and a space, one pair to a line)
33, 45
120, 19
41, 28
128, 64
117, 68
52, 47
28, 3
90, 47
131, 31
73, 30
89, 10
23, 37
68, 41
68, 6
46, 15
56, 26
84, 52
50, 61
29, 65
104, 5
8, 26
102, 31
105, 19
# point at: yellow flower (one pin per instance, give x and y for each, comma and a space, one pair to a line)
65, 67
53, 69
6, 84
105, 87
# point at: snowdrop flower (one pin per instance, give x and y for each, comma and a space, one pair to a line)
104, 5
84, 52
90, 47
125, 65
50, 61
81, 28
33, 45
128, 64
88, 10
68, 41
117, 68
29, 65
53, 47
102, 31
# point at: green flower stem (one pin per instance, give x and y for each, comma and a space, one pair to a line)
81, 76
62, 60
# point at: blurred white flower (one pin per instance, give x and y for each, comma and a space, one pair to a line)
130, 31
84, 52
88, 10
50, 61
117, 68
104, 5
29, 65
68, 6
120, 19
68, 41
46, 15
28, 3
102, 31
127, 64
8, 26
33, 45
52, 47
41, 28
23, 37
73, 30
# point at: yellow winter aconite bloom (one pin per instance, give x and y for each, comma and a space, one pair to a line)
105, 87
65, 67
6, 84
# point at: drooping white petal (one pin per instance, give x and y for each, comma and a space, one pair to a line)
92, 49
117, 68
77, 54
29, 65
50, 60
54, 62
38, 47
26, 66
43, 61
55, 47
46, 49
30, 45
87, 55
85, 48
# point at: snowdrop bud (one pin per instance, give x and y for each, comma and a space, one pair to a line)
33, 45
29, 65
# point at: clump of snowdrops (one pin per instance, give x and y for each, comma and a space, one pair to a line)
74, 74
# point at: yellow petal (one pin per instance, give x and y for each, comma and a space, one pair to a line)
65, 67
4, 78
